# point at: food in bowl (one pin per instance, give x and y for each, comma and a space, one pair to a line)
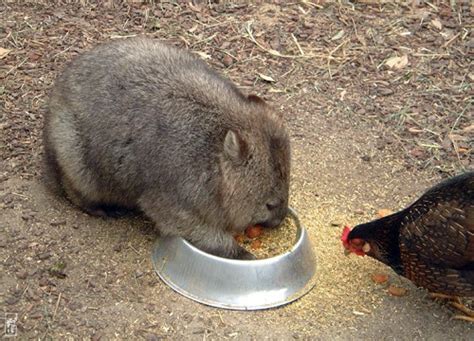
269, 242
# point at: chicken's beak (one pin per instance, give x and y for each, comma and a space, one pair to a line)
347, 252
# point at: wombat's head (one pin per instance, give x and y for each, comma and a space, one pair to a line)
255, 166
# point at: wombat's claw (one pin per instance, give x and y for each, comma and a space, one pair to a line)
95, 211
104, 211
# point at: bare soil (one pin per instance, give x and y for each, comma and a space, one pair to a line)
378, 101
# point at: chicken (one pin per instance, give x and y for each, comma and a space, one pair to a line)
431, 242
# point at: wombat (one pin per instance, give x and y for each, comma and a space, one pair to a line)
137, 124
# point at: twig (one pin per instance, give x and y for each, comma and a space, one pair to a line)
309, 3
61, 52
57, 306
205, 39
457, 119
330, 57
297, 44
117, 36
220, 317
16, 66
20, 195
131, 246
270, 51
446, 44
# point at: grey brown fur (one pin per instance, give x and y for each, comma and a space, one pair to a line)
138, 124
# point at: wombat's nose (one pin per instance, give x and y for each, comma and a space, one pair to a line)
274, 204
278, 210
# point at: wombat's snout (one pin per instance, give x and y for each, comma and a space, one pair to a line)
278, 210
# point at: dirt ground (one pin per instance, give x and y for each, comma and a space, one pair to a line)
378, 101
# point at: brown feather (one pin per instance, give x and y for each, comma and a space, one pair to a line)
432, 241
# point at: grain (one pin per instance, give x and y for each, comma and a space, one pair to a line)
272, 241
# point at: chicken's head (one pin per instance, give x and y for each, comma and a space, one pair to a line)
355, 245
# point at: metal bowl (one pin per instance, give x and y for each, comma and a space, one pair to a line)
237, 284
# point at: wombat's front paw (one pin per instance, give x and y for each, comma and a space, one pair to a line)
244, 254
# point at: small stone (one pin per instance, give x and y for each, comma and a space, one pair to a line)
153, 283
417, 152
225, 45
32, 295
365, 158
74, 306
12, 300
117, 247
397, 291
44, 282
336, 223
96, 337
22, 274
44, 255
27, 216
152, 337
58, 222
36, 315
385, 91
227, 60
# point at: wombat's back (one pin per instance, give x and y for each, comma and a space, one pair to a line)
123, 101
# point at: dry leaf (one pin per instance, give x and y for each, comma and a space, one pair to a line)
397, 291
203, 55
266, 78
274, 52
277, 91
338, 35
194, 8
383, 212
415, 130
457, 137
4, 52
379, 278
468, 129
194, 28
397, 62
437, 24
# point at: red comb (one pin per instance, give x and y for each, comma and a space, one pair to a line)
345, 236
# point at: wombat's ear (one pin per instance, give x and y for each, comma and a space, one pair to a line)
235, 146
256, 99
